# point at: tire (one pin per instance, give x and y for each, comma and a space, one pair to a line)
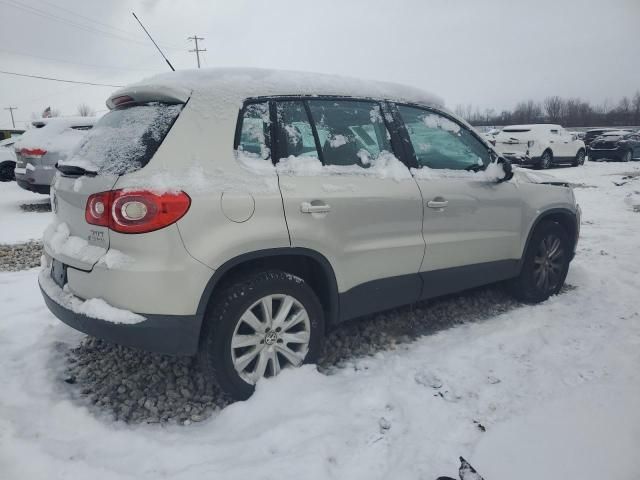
6, 172
233, 315
532, 285
579, 160
627, 156
545, 160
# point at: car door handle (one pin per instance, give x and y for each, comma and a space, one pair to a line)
307, 207
437, 203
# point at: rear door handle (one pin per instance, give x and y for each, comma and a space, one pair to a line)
437, 203
307, 207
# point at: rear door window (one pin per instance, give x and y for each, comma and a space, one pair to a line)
349, 132
125, 139
295, 134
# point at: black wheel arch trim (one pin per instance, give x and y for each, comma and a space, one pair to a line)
545, 216
334, 303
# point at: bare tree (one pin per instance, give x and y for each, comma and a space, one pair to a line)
636, 107
553, 107
85, 110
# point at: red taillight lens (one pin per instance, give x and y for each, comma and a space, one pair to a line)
32, 152
136, 211
122, 100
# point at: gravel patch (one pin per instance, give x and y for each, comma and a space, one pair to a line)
36, 207
132, 386
21, 256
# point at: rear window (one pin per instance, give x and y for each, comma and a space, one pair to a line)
125, 139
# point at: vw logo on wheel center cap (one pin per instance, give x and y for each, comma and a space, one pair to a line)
271, 337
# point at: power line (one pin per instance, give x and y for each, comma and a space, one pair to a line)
87, 28
59, 60
195, 38
11, 109
59, 79
92, 20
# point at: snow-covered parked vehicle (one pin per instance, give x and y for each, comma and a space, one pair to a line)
239, 213
540, 145
7, 159
49, 141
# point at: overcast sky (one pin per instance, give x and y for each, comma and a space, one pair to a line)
489, 53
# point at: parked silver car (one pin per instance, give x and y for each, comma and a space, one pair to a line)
49, 141
239, 213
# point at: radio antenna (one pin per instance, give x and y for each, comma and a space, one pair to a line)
154, 42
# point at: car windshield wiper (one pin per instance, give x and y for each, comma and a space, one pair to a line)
74, 170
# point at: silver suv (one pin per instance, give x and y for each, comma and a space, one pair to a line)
239, 214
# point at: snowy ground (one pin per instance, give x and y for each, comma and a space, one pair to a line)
17, 224
556, 387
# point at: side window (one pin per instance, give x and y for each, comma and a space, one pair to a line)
442, 143
295, 135
350, 132
254, 138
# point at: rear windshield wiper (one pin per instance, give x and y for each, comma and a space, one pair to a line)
75, 171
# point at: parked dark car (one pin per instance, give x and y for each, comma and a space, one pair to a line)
594, 133
616, 145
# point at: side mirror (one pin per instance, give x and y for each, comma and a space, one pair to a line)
507, 167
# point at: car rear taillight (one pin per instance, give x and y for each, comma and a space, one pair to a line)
32, 152
136, 211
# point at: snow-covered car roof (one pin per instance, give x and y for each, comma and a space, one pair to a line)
224, 85
60, 134
533, 126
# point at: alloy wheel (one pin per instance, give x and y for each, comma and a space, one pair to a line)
548, 263
546, 160
272, 334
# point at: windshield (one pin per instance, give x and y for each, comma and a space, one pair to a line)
125, 139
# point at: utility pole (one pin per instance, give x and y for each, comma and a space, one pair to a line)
195, 38
11, 109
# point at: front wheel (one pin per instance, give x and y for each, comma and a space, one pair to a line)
258, 326
545, 264
545, 160
579, 160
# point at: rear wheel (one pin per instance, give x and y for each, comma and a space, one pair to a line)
259, 326
579, 160
545, 264
7, 172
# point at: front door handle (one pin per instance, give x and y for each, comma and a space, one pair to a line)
437, 202
307, 207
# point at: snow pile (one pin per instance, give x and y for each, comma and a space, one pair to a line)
633, 200
57, 135
385, 165
115, 259
19, 225
231, 86
94, 307
257, 176
492, 173
119, 142
58, 238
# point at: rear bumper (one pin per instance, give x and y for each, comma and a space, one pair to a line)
595, 155
33, 187
166, 334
